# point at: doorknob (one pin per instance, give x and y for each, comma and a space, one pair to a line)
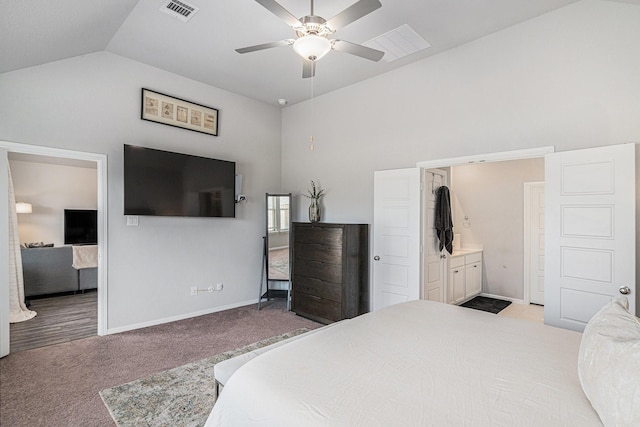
624, 290
443, 256
376, 258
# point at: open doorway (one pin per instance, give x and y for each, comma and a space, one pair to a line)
57, 229
98, 281
489, 215
589, 193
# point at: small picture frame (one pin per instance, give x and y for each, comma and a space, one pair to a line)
172, 111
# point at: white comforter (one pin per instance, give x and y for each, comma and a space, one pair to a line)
414, 364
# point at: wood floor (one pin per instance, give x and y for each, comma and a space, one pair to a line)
60, 319
531, 312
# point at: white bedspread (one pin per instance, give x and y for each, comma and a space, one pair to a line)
414, 364
85, 256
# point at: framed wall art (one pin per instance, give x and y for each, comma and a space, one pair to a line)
168, 110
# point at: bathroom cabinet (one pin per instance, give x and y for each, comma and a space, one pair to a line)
465, 276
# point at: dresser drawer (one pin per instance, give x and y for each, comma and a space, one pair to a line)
331, 236
456, 261
321, 253
318, 288
317, 270
471, 258
316, 307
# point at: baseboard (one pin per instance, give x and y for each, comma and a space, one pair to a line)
514, 300
179, 317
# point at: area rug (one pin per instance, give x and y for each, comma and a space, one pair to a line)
182, 396
491, 305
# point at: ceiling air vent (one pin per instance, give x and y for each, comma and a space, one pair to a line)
179, 9
398, 43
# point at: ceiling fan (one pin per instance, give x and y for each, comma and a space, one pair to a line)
313, 32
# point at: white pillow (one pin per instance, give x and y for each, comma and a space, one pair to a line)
609, 364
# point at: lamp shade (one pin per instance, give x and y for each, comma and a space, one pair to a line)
312, 47
24, 207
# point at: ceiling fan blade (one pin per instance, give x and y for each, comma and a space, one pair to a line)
286, 42
353, 13
308, 69
282, 13
358, 50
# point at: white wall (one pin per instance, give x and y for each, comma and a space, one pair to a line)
92, 104
51, 189
568, 79
491, 195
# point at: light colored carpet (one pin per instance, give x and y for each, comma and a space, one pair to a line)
59, 385
182, 396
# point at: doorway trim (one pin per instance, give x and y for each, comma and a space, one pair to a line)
101, 163
529, 153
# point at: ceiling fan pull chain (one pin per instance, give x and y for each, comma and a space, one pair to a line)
313, 110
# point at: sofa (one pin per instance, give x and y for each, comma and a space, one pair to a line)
49, 270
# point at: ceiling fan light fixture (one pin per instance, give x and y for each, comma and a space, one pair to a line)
312, 47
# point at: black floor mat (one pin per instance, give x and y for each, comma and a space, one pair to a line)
491, 305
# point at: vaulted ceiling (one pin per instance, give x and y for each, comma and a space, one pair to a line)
35, 32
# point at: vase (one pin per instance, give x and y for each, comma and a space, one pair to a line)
314, 211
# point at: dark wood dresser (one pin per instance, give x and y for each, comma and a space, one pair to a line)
330, 270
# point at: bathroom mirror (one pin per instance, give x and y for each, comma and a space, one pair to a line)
278, 255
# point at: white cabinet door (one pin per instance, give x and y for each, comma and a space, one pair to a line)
396, 236
457, 285
473, 279
589, 232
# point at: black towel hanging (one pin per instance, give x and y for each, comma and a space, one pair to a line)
443, 223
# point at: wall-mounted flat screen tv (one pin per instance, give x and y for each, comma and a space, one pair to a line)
162, 183
80, 227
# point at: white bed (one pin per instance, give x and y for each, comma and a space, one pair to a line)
414, 364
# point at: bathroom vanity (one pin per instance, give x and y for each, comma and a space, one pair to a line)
465, 275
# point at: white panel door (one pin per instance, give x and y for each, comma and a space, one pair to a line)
589, 232
4, 254
433, 261
396, 236
535, 242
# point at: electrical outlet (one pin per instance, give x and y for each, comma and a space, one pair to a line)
194, 291
219, 286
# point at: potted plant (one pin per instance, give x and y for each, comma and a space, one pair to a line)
314, 193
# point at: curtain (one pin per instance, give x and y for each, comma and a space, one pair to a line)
18, 311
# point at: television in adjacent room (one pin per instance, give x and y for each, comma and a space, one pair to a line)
80, 227
163, 183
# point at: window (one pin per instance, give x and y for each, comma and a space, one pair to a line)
277, 214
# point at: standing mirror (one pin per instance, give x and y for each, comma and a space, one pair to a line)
277, 254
